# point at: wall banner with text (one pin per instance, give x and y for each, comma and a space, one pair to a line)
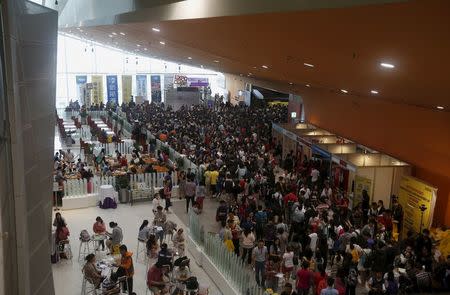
126, 88
112, 89
141, 86
97, 89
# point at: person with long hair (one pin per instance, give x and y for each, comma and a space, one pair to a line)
91, 274
115, 237
248, 242
144, 231
99, 228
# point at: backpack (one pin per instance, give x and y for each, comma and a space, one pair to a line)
352, 278
84, 236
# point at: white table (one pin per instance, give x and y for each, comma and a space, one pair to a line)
107, 190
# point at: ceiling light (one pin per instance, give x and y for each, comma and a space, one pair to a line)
308, 65
122, 33
138, 45
189, 57
162, 42
250, 74
155, 29
374, 91
81, 30
110, 36
145, 49
114, 33
216, 61
254, 67
344, 91
307, 85
440, 107
290, 83
265, 67
387, 65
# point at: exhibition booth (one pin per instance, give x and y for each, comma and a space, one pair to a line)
350, 167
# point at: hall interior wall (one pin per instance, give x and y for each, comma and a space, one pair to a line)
416, 135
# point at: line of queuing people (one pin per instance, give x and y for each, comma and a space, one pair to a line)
301, 226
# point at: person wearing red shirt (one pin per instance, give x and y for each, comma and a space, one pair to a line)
320, 280
291, 197
304, 279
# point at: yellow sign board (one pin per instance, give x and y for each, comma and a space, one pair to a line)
97, 89
412, 194
361, 184
126, 88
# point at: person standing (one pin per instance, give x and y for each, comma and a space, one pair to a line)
259, 258
115, 237
125, 268
189, 192
329, 290
159, 221
167, 194
304, 279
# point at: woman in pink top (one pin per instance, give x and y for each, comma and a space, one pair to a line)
99, 228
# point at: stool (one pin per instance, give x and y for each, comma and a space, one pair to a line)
143, 245
64, 248
84, 248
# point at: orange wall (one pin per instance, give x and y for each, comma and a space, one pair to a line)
416, 135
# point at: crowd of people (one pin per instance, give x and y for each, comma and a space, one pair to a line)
283, 215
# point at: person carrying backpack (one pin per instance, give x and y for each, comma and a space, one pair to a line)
261, 220
350, 282
222, 212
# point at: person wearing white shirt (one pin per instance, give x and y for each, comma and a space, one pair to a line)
314, 175
313, 241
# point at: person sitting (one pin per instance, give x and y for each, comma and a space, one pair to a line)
144, 231
115, 238
152, 246
99, 228
181, 274
91, 273
156, 280
165, 256
179, 242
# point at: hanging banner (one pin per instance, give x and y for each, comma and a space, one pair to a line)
415, 195
81, 89
141, 86
197, 82
111, 88
97, 89
156, 88
126, 88
361, 184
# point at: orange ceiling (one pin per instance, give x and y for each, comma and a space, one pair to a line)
344, 45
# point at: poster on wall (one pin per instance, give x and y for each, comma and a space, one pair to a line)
414, 195
361, 184
156, 88
126, 88
141, 86
111, 88
197, 82
81, 88
97, 89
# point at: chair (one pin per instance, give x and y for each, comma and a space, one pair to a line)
87, 287
84, 247
143, 245
64, 248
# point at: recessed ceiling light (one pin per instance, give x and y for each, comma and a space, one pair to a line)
155, 29
308, 65
122, 33
387, 65
162, 42
114, 33
145, 49
216, 61
265, 67
290, 83
189, 57
440, 107
374, 91
344, 91
110, 36
138, 45
307, 85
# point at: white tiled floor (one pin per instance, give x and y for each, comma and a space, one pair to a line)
67, 275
